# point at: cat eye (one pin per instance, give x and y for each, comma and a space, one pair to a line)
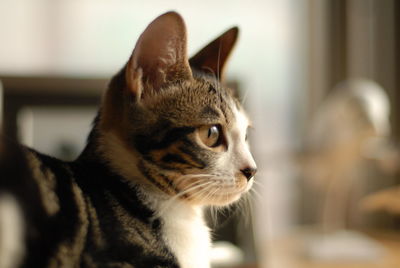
211, 136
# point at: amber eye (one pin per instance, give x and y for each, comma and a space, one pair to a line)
210, 135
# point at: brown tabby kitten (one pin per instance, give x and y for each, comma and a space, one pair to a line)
168, 140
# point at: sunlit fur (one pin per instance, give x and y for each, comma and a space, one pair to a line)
165, 125
192, 172
135, 195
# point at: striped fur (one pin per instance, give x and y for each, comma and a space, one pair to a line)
134, 197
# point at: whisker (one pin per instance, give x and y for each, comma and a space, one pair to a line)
170, 202
258, 197
248, 209
218, 61
244, 98
195, 186
214, 215
209, 194
227, 212
192, 176
213, 209
259, 184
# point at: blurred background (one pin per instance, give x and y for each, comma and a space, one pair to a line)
319, 79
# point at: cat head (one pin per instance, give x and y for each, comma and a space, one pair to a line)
169, 123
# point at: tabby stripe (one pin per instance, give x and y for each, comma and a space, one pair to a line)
194, 160
193, 156
120, 211
107, 179
172, 185
175, 161
169, 182
174, 158
165, 179
96, 233
145, 143
174, 135
170, 161
119, 195
209, 112
146, 172
62, 230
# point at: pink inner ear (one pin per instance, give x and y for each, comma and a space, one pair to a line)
212, 58
161, 52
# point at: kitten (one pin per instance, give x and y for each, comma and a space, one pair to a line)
169, 139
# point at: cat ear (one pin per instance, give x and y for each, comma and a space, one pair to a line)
159, 57
212, 58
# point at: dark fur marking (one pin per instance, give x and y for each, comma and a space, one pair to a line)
146, 143
146, 173
95, 178
64, 224
174, 158
16, 178
190, 149
209, 112
211, 89
170, 183
156, 225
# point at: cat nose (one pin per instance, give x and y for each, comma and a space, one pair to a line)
249, 172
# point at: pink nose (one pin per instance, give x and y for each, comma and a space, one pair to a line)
249, 172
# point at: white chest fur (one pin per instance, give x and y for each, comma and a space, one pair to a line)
187, 235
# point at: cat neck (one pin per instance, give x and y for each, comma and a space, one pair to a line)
184, 231
106, 153
184, 228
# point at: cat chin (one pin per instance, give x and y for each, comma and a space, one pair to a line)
218, 200
226, 201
